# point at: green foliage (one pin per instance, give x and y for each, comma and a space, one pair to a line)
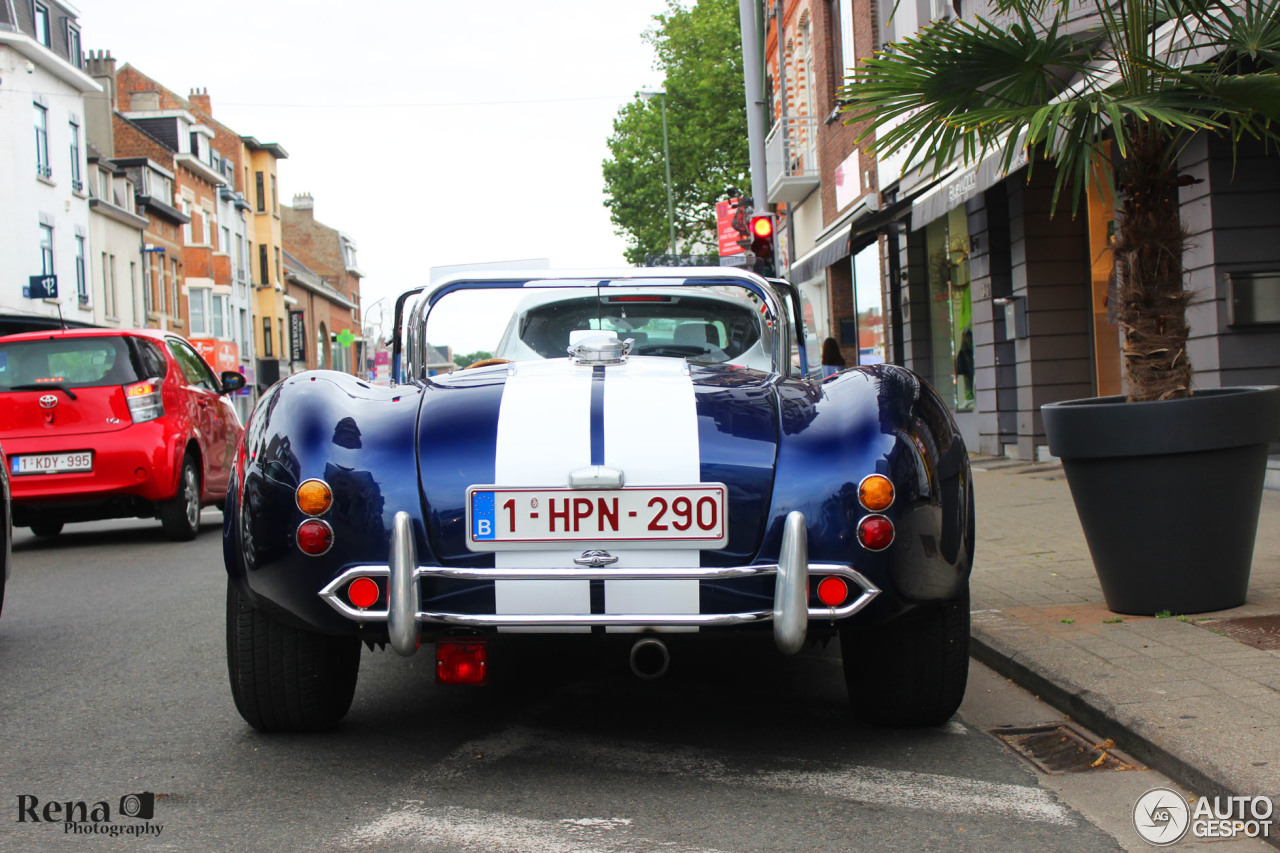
960, 89
1126, 80
470, 358
699, 53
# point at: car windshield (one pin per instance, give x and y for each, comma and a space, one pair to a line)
715, 324
68, 362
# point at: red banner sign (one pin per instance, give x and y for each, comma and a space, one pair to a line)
221, 355
728, 235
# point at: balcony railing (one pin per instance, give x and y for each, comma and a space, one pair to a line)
791, 159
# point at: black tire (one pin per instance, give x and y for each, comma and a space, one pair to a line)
286, 679
912, 671
180, 515
46, 529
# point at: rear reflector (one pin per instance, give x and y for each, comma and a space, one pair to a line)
875, 532
461, 661
833, 591
363, 593
315, 537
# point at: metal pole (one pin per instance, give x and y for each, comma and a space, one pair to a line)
751, 78
666, 153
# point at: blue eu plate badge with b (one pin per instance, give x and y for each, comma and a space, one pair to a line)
482, 516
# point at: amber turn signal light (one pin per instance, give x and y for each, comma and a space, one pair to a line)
875, 492
314, 497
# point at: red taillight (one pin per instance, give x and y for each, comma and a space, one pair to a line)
875, 532
315, 537
363, 593
832, 591
144, 399
460, 661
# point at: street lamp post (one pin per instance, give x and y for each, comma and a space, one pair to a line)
666, 156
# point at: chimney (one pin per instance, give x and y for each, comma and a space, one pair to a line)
305, 204
100, 106
144, 101
200, 98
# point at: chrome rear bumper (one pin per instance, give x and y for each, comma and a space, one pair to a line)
790, 613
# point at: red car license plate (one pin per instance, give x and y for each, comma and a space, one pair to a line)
642, 517
52, 463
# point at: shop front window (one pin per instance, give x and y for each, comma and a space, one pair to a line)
951, 308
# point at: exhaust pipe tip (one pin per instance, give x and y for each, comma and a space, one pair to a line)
650, 658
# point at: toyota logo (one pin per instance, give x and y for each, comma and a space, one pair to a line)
48, 401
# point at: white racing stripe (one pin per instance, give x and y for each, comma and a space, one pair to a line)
869, 785
644, 399
468, 830
544, 433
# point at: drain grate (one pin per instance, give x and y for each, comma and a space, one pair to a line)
1058, 748
1261, 632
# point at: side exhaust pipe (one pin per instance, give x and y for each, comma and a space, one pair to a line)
650, 658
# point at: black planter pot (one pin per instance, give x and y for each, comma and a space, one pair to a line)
1168, 492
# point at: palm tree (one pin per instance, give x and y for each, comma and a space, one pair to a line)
1138, 78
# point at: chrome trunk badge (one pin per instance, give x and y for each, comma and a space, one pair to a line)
595, 559
48, 401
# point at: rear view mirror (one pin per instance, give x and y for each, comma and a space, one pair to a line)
231, 381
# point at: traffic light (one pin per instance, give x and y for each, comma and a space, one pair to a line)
762, 243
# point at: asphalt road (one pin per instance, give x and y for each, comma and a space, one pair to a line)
113, 682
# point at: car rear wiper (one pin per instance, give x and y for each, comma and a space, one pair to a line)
40, 386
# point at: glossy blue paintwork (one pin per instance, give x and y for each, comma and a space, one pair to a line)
780, 444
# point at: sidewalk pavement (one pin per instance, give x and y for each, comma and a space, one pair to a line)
1184, 694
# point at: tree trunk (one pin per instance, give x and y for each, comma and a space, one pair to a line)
1152, 305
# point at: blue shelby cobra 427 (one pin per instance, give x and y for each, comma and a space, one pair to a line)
646, 458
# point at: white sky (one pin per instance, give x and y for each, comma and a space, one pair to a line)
432, 133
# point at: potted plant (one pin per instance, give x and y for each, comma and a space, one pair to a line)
1167, 481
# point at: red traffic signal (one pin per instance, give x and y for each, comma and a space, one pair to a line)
762, 227
762, 244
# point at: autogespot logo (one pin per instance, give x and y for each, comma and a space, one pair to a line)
1161, 817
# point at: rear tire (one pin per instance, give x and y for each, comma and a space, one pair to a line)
47, 529
910, 672
180, 515
287, 679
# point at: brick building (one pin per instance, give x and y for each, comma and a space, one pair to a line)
323, 282
819, 180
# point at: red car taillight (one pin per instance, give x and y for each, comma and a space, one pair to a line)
144, 400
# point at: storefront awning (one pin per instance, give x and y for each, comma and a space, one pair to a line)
962, 186
832, 244
867, 230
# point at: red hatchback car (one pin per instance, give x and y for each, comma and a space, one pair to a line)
105, 423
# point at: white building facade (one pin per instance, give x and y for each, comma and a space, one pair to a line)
44, 192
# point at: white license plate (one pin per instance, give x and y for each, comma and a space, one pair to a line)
52, 463
643, 517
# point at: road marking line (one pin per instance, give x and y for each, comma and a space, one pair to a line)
870, 785
469, 830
